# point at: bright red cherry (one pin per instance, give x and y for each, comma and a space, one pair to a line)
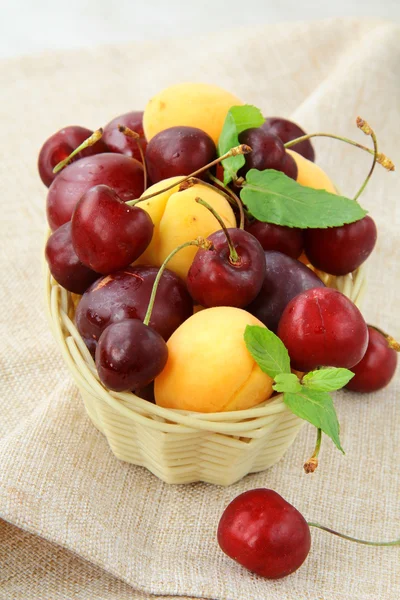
120, 143
377, 367
60, 145
125, 295
263, 532
284, 279
288, 240
178, 151
108, 235
341, 250
64, 263
122, 173
130, 355
322, 327
215, 280
287, 131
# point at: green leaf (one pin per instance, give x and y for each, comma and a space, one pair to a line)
327, 380
238, 119
316, 408
267, 350
287, 382
273, 197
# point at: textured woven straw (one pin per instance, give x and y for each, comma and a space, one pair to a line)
180, 446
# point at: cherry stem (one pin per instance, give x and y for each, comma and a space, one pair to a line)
133, 134
365, 128
312, 462
91, 140
381, 158
228, 192
234, 258
242, 149
392, 343
353, 539
199, 242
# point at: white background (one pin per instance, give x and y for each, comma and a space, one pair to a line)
28, 26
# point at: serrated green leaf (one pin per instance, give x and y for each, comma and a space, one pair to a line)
238, 119
317, 408
273, 197
267, 350
287, 382
327, 380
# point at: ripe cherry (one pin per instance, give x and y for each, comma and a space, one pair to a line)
64, 263
120, 143
264, 533
125, 295
288, 240
286, 131
214, 279
60, 145
377, 367
284, 279
108, 235
341, 250
178, 151
231, 272
122, 173
267, 152
322, 327
130, 355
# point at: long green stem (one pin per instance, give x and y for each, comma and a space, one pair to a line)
312, 462
230, 193
91, 140
242, 149
353, 539
132, 134
199, 242
234, 258
363, 125
382, 159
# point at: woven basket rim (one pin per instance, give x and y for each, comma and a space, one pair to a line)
80, 363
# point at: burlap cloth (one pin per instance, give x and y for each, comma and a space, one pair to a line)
58, 478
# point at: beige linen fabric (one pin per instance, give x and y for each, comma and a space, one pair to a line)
58, 478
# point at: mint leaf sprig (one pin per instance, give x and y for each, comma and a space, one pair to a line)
238, 119
307, 398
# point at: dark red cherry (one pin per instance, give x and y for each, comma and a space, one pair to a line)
263, 532
178, 151
60, 145
64, 263
122, 173
125, 295
284, 279
289, 167
130, 355
341, 250
214, 280
322, 327
287, 131
377, 367
267, 152
288, 240
120, 143
108, 235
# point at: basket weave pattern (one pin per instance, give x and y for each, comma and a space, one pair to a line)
180, 446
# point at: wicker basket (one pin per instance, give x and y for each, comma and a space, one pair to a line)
179, 446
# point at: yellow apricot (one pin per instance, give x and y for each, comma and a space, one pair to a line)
192, 104
311, 175
178, 218
209, 368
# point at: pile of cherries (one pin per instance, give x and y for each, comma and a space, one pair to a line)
98, 233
